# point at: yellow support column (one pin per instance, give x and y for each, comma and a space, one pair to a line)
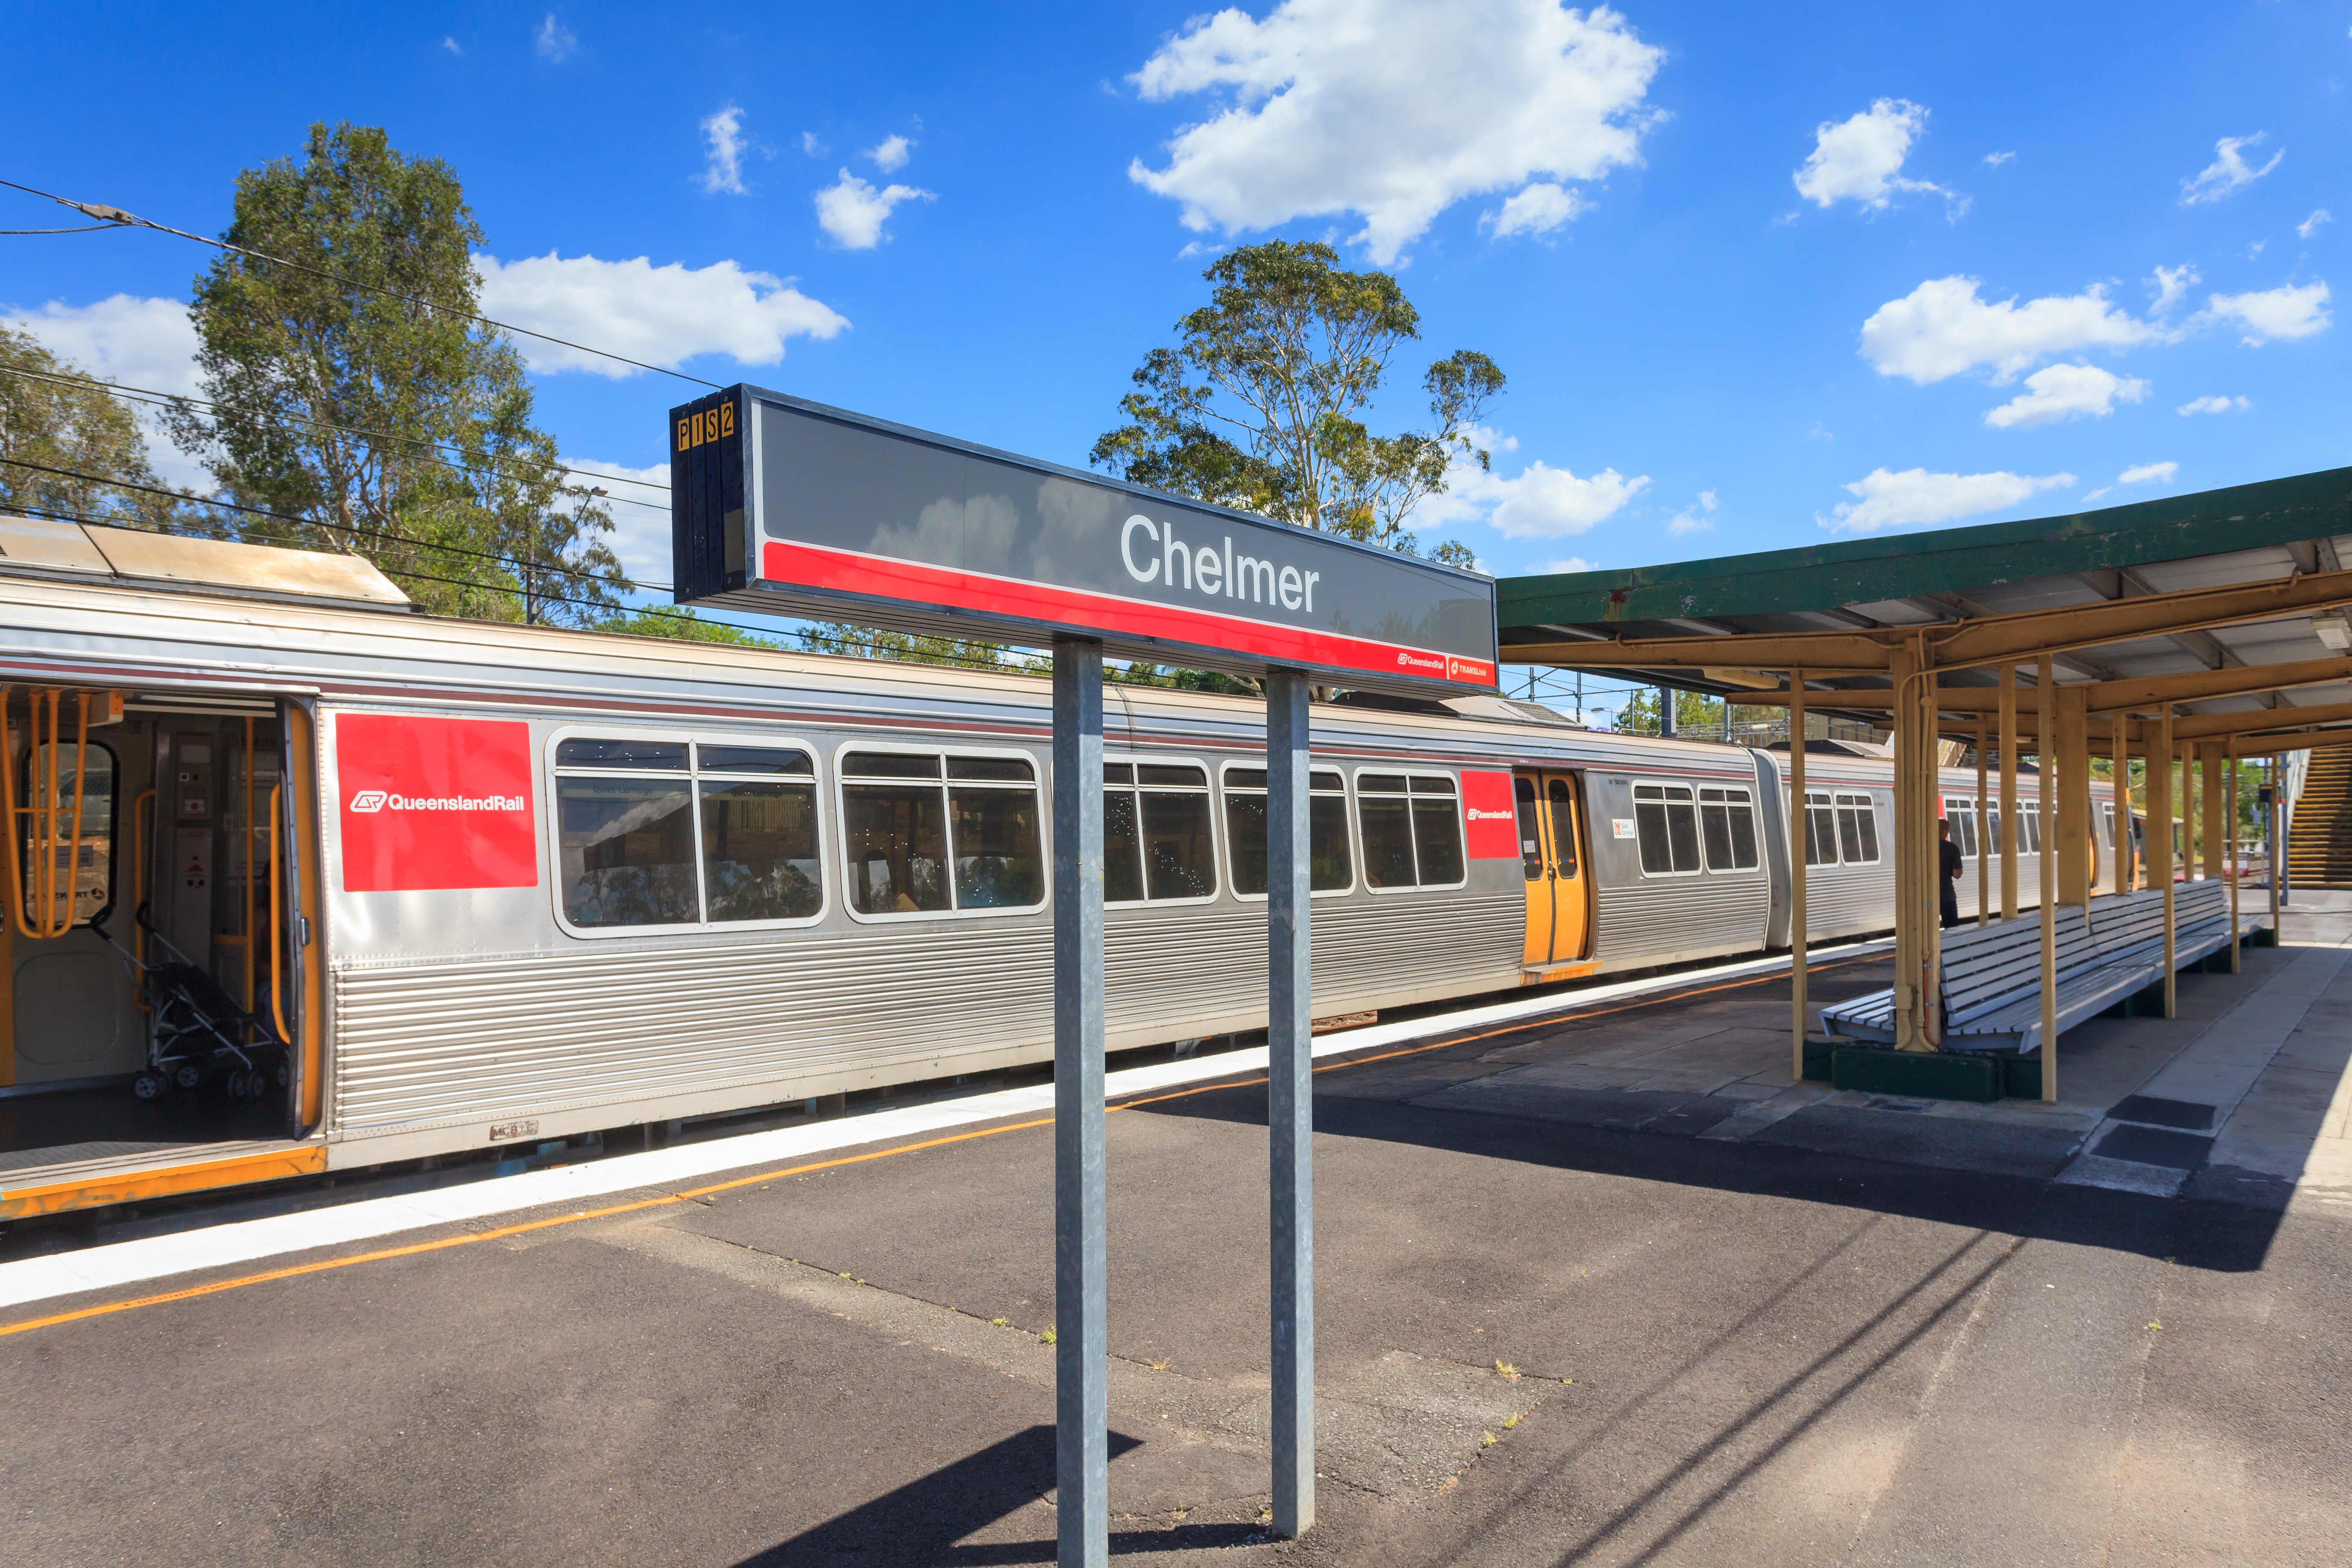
1901, 662
1800, 823
2217, 835
2185, 755
2047, 717
2127, 861
2159, 825
1931, 857
2073, 785
1984, 839
2235, 872
2009, 837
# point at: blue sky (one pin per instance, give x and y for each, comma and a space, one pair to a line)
1758, 277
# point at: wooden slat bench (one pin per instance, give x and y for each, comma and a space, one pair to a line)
1992, 974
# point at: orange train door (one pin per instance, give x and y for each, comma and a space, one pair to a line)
1553, 869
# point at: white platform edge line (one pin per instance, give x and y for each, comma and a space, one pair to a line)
275, 1236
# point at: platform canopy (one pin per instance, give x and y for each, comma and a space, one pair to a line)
2171, 635
2224, 602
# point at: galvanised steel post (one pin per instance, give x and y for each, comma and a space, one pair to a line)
1290, 1098
1082, 1343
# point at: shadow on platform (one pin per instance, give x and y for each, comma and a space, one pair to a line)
2188, 1229
923, 1520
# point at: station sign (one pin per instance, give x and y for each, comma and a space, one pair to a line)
785, 506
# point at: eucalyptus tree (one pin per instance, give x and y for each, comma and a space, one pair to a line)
1263, 402
349, 384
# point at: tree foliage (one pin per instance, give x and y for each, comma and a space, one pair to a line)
398, 430
49, 420
1261, 403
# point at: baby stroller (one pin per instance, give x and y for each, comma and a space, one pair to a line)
196, 1030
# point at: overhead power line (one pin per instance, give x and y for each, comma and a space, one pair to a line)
153, 398
115, 217
335, 527
970, 661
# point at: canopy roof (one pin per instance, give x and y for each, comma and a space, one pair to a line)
2292, 533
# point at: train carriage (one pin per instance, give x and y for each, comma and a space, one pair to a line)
457, 884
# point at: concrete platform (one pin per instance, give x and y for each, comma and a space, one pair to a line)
1605, 1289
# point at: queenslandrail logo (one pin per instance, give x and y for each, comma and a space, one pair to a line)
372, 800
1478, 814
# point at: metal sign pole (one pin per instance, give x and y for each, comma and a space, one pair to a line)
1082, 1341
1290, 1098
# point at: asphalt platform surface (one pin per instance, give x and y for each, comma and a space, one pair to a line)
1557, 1324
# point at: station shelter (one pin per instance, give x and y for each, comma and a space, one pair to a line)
2165, 638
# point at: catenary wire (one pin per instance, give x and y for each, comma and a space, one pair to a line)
973, 661
311, 522
149, 396
111, 216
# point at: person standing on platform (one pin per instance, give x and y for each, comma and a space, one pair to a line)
1949, 859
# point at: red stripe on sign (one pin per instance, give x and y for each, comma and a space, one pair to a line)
882, 577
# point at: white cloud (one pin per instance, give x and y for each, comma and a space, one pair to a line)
810, 145
1539, 502
1860, 159
452, 45
2173, 285
2227, 172
2148, 474
1392, 109
853, 212
641, 534
1941, 328
662, 315
1916, 497
1568, 563
1697, 518
723, 134
1539, 209
140, 342
892, 154
2287, 312
2065, 392
2310, 225
554, 41
1995, 160
2212, 406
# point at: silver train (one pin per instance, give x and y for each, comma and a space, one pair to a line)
497, 884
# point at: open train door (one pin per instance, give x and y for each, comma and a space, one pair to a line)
1551, 818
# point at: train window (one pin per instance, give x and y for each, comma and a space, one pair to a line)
1857, 826
930, 835
627, 850
1728, 824
1412, 830
752, 760
1159, 842
668, 756
1959, 812
1330, 870
665, 833
1665, 821
83, 888
1821, 828
888, 765
2029, 821
759, 848
1563, 826
1523, 803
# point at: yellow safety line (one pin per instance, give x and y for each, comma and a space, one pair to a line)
445, 1242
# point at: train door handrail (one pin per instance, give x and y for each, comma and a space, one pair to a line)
42, 821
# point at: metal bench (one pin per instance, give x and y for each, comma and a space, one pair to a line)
1991, 975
